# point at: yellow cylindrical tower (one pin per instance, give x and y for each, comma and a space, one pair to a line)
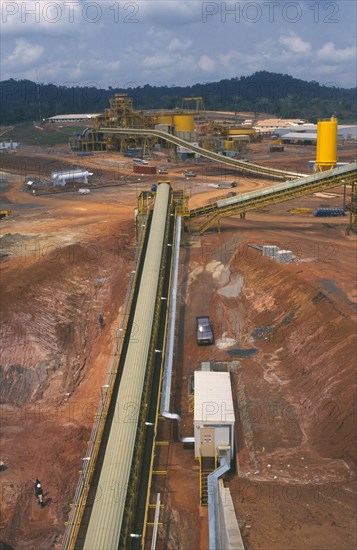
228, 145
167, 119
326, 147
183, 123
163, 118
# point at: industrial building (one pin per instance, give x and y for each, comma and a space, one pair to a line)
121, 114
270, 125
72, 118
8, 145
307, 133
176, 122
192, 126
214, 418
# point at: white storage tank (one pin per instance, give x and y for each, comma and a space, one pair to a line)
270, 250
214, 413
284, 256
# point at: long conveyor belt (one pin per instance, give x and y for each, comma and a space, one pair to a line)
275, 194
105, 523
247, 167
110, 501
110, 510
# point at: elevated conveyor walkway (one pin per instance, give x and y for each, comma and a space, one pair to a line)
108, 499
272, 195
246, 167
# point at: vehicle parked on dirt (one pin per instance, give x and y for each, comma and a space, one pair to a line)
204, 331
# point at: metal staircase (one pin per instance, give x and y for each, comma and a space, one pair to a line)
207, 466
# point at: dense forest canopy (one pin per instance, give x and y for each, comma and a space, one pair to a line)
265, 92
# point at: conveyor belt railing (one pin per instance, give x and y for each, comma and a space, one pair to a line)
152, 397
88, 463
106, 513
140, 470
247, 167
272, 195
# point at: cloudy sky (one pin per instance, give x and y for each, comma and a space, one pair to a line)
169, 42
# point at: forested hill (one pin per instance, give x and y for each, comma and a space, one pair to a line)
278, 94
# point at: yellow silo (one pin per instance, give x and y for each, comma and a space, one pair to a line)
167, 119
163, 118
183, 123
228, 145
326, 147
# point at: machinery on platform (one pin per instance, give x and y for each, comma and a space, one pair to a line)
121, 114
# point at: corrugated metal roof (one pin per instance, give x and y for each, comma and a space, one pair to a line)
300, 135
277, 122
213, 397
83, 116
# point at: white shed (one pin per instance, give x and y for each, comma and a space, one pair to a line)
214, 413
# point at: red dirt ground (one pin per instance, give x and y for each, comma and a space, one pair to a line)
69, 258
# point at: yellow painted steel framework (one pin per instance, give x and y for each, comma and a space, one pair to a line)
213, 213
247, 167
353, 209
134, 480
152, 471
199, 104
121, 114
253, 201
207, 466
71, 537
146, 199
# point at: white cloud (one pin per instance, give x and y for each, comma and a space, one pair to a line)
207, 64
159, 34
295, 43
177, 44
170, 44
157, 61
329, 52
24, 53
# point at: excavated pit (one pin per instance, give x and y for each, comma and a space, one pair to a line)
287, 332
54, 355
292, 329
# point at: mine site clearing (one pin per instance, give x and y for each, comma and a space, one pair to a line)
284, 331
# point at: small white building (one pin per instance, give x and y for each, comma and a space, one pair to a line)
214, 417
8, 145
62, 119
